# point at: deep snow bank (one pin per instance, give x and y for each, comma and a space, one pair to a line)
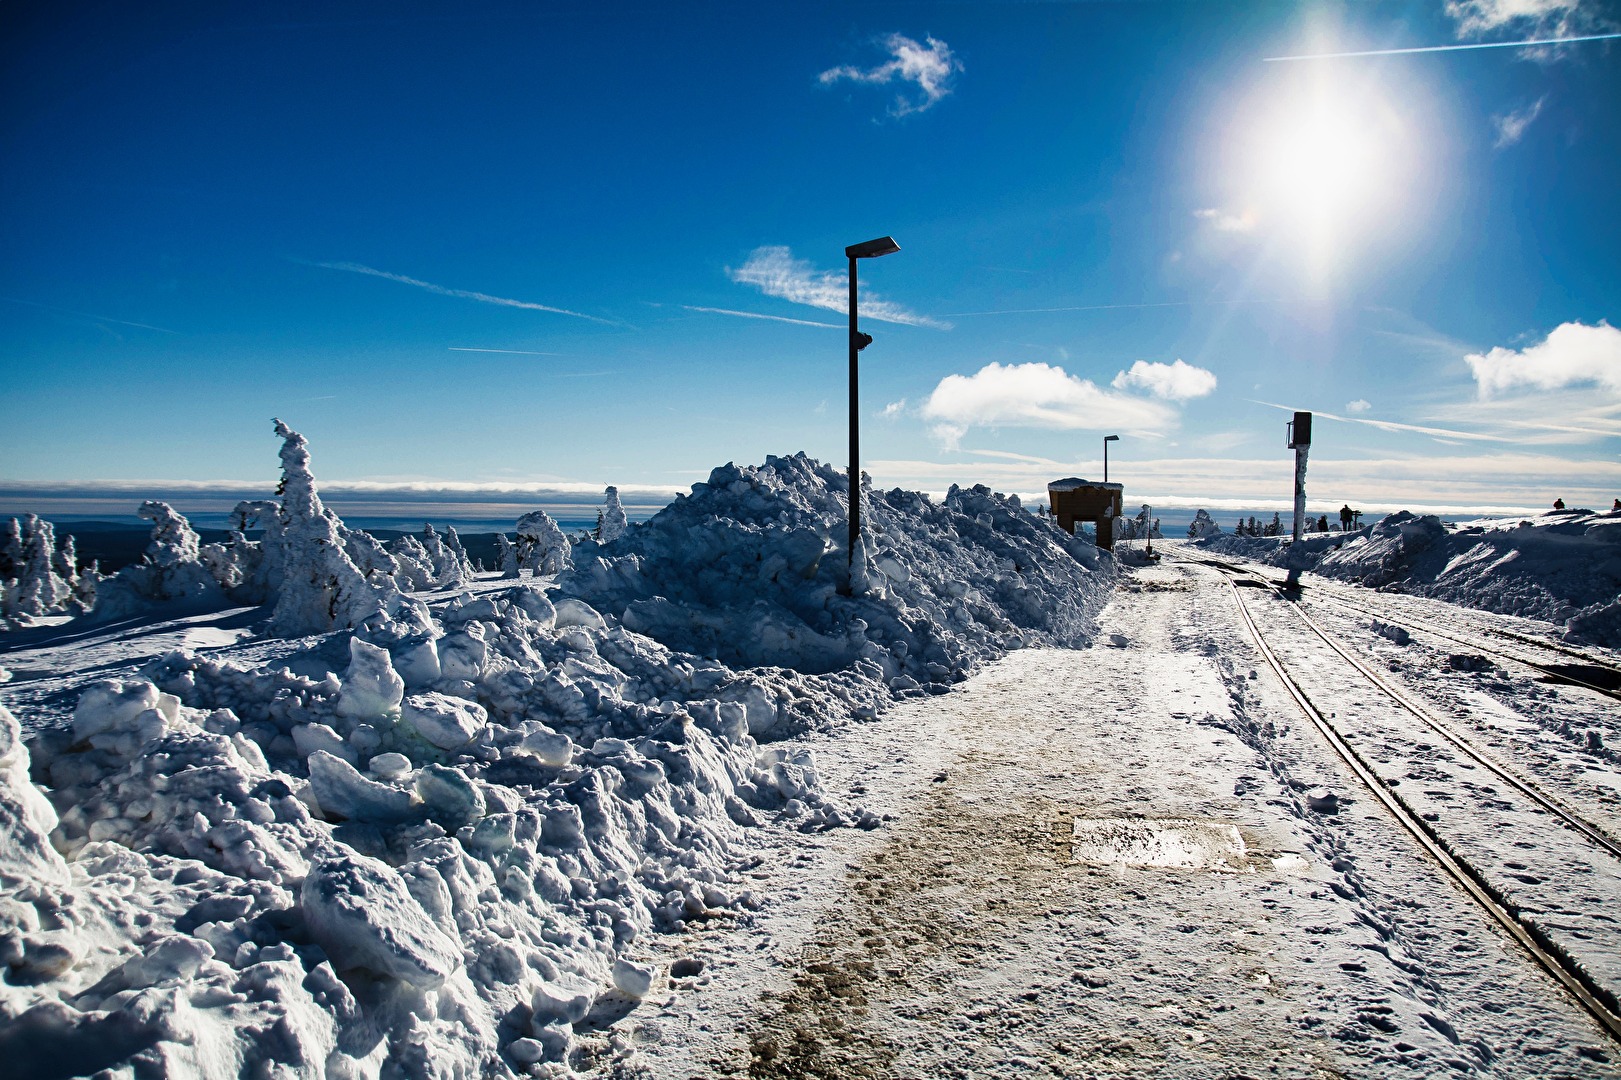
1563, 567
430, 845
749, 568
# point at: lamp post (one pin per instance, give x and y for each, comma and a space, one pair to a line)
872, 249
1107, 439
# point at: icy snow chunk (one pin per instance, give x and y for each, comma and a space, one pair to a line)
174, 960
312, 737
417, 662
26, 815
111, 704
571, 612
563, 1000
371, 686
343, 793
389, 766
1323, 800
447, 722
359, 910
449, 797
633, 979
551, 747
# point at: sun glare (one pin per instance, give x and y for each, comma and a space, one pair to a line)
1323, 165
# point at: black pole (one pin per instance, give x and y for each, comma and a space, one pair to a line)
1105, 461
855, 437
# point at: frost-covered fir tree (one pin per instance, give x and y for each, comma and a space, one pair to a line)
507, 552
11, 550
1275, 528
542, 547
66, 562
453, 545
1203, 525
321, 589
39, 589
611, 522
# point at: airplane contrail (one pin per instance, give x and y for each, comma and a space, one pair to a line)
1444, 48
514, 352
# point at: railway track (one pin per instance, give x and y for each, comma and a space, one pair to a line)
1559, 663
1477, 873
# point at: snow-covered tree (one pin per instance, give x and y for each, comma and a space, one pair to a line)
507, 552
320, 589
453, 545
1275, 527
1203, 525
11, 550
66, 561
416, 569
611, 522
40, 590
542, 547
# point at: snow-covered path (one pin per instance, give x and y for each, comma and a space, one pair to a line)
1002, 924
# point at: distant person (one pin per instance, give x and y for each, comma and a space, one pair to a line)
1559, 504
1616, 508
1322, 524
1346, 515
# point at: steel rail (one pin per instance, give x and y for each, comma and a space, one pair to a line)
1422, 627
1595, 999
1333, 596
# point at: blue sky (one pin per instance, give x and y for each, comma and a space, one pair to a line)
535, 249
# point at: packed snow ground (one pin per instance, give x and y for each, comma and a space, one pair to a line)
391, 818
1120, 862
1562, 567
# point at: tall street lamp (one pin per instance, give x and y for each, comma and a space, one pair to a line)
884, 245
1107, 439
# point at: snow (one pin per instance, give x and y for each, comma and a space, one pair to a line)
715, 795
433, 834
1562, 567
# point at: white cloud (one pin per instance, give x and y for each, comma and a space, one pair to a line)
1572, 353
774, 271
1040, 396
1447, 483
1226, 220
929, 69
894, 409
1511, 125
1175, 381
1476, 18
1360, 405
464, 294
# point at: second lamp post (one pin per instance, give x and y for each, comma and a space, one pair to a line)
884, 245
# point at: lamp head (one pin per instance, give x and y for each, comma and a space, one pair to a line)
1111, 438
884, 245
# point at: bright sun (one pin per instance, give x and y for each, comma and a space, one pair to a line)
1323, 168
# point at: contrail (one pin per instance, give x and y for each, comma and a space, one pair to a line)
464, 294
514, 352
87, 315
1444, 48
757, 315
1104, 307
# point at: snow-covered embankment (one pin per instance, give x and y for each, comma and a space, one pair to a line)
430, 838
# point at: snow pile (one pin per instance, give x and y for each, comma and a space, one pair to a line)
433, 844
1563, 567
749, 569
